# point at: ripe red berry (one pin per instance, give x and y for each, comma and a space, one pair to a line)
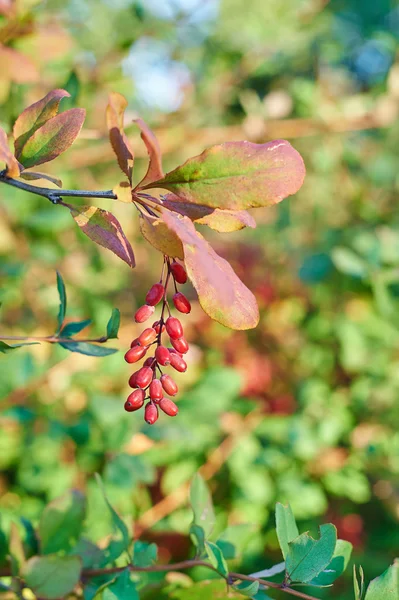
155, 294
180, 345
147, 336
151, 413
178, 272
169, 385
157, 326
133, 380
168, 407
181, 303
149, 361
174, 351
162, 355
174, 328
156, 392
178, 362
135, 400
135, 342
135, 354
143, 313
143, 377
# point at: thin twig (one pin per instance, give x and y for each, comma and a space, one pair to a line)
52, 339
55, 196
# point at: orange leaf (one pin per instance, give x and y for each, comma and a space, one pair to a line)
119, 142
7, 156
154, 171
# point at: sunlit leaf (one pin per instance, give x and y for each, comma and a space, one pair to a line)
113, 324
216, 558
286, 527
358, 585
74, 327
307, 557
247, 588
88, 348
34, 116
61, 522
386, 586
124, 192
63, 301
104, 229
7, 157
115, 111
221, 293
4, 347
202, 505
52, 576
52, 138
237, 175
154, 171
34, 176
118, 524
160, 236
337, 566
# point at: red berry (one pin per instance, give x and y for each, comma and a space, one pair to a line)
178, 272
147, 336
174, 351
181, 303
178, 362
143, 377
162, 355
155, 294
169, 385
135, 400
135, 354
135, 342
168, 407
157, 326
150, 413
143, 313
156, 392
180, 345
133, 380
149, 361
174, 328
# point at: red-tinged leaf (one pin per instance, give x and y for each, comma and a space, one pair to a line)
52, 138
160, 236
119, 142
154, 171
104, 229
237, 175
124, 191
16, 67
224, 221
7, 157
221, 293
35, 116
35, 176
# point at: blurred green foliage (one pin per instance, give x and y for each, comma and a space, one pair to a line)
304, 408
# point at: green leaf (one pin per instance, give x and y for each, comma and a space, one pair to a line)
88, 348
61, 522
216, 558
204, 590
74, 327
144, 554
7, 157
247, 588
120, 144
118, 524
52, 138
286, 527
358, 587
237, 175
197, 536
36, 115
337, 566
349, 262
307, 557
386, 586
16, 548
103, 229
4, 348
201, 503
90, 554
221, 293
52, 576
63, 301
3, 548
113, 324
123, 588
233, 540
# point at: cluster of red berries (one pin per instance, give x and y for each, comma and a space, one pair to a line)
145, 381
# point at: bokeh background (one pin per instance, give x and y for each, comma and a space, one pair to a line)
303, 409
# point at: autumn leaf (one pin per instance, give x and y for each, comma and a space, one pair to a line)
52, 138
154, 171
7, 157
104, 229
237, 175
36, 176
34, 116
115, 112
160, 236
221, 293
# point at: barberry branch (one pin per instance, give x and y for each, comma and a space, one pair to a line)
52, 339
55, 196
181, 566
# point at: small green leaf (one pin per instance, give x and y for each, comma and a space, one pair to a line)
286, 527
216, 558
119, 525
386, 586
337, 566
63, 301
144, 554
123, 588
247, 588
197, 536
74, 327
88, 348
307, 557
4, 348
61, 522
201, 503
358, 587
52, 576
113, 324
349, 262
